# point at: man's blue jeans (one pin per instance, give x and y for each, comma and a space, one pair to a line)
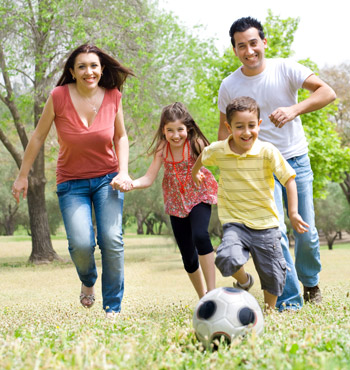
76, 199
307, 249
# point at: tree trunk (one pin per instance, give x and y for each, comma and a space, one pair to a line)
330, 240
149, 226
42, 250
139, 220
9, 220
346, 186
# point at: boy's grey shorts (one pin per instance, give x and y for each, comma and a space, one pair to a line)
264, 246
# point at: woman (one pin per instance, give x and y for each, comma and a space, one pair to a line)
87, 110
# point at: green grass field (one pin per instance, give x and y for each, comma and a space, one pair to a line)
43, 325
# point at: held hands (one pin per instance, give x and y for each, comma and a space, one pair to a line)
298, 224
282, 115
122, 182
20, 185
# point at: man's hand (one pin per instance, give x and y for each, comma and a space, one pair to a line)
282, 115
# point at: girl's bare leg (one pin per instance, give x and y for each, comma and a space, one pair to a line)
208, 268
197, 282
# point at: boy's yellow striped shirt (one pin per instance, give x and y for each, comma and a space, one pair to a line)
246, 183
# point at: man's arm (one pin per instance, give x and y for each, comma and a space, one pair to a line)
222, 133
321, 95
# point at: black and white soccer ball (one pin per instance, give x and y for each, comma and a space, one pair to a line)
226, 312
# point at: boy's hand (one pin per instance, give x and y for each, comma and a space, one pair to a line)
298, 224
198, 177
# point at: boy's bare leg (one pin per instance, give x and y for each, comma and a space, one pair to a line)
241, 276
270, 301
197, 282
208, 268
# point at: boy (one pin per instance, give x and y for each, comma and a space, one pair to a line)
246, 203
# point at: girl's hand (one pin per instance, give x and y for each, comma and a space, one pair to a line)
20, 185
299, 225
198, 178
122, 182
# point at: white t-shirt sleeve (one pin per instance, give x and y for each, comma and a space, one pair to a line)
223, 98
296, 72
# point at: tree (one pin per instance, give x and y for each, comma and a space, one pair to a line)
331, 213
30, 53
146, 205
339, 78
330, 161
36, 37
11, 214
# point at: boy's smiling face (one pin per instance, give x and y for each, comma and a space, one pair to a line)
244, 127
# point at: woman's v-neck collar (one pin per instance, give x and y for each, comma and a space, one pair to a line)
77, 114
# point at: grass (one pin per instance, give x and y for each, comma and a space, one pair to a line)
43, 325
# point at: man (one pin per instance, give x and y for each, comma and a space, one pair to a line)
274, 84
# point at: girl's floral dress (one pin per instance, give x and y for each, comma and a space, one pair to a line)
179, 190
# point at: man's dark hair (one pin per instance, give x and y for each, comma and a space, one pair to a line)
243, 24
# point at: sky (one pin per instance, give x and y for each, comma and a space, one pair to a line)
322, 33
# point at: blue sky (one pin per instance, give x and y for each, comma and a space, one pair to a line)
313, 40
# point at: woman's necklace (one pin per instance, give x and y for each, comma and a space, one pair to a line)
182, 185
91, 105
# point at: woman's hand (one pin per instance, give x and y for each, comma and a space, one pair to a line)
122, 182
20, 185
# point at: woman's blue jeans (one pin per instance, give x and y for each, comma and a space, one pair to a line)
76, 199
307, 250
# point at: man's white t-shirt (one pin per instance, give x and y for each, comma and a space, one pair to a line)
277, 86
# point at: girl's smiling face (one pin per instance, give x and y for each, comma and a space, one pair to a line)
175, 133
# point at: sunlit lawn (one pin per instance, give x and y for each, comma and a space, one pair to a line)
43, 326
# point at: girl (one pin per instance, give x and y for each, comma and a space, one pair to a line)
178, 142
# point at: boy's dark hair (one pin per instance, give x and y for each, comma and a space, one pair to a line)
241, 104
243, 24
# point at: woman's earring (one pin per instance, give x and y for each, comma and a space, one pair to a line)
73, 78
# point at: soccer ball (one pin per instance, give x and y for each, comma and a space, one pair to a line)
228, 313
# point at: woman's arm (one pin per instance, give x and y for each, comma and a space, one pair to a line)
35, 143
121, 143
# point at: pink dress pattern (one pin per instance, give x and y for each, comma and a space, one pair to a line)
180, 203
